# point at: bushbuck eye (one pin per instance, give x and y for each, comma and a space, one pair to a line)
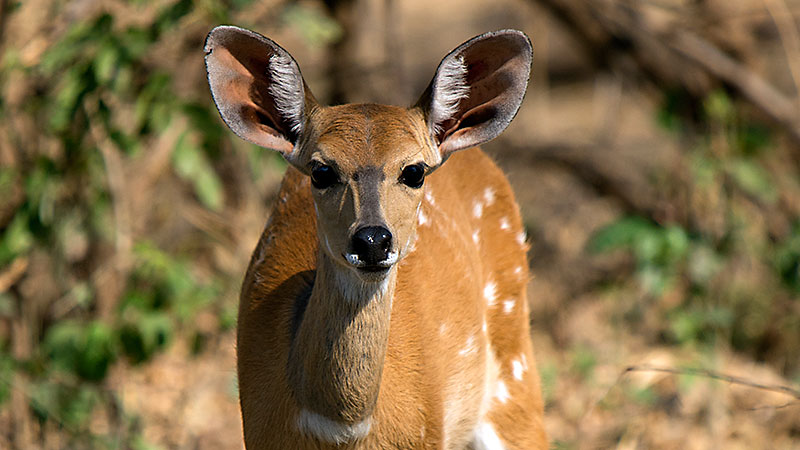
413, 175
323, 176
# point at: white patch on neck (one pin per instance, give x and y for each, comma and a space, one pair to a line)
287, 90
449, 89
330, 431
356, 290
485, 438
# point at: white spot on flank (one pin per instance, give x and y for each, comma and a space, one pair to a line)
485, 438
488, 196
508, 305
505, 224
330, 431
477, 209
484, 327
476, 236
502, 392
469, 346
518, 270
490, 292
517, 369
443, 328
524, 362
521, 238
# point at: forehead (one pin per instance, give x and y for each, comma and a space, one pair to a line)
368, 134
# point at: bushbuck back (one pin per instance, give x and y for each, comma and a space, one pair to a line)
385, 304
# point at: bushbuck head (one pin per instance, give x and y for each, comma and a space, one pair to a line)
367, 162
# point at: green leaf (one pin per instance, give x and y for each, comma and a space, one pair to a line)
676, 243
145, 334
191, 164
316, 27
98, 352
718, 106
209, 189
16, 240
753, 179
67, 96
106, 62
84, 349
6, 376
620, 234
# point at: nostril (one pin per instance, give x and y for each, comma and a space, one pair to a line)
372, 244
385, 240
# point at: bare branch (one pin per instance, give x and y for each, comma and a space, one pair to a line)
715, 375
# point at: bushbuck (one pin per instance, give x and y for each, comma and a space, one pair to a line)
385, 303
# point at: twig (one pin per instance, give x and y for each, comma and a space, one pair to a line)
121, 203
5, 6
773, 407
614, 32
787, 29
698, 372
717, 376
751, 86
13, 273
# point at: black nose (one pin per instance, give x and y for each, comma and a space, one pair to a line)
372, 244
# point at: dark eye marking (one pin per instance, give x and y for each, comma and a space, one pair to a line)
413, 175
323, 176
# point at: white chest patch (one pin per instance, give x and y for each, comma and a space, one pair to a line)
327, 430
485, 438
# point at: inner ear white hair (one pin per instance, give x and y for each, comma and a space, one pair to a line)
287, 90
450, 88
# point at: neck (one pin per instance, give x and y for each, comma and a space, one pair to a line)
336, 357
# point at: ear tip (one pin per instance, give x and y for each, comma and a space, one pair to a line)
520, 37
226, 34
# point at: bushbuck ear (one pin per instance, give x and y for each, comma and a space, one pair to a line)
257, 88
477, 90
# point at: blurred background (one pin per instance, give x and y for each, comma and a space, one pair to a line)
656, 160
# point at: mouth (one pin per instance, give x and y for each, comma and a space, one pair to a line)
374, 269
371, 268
